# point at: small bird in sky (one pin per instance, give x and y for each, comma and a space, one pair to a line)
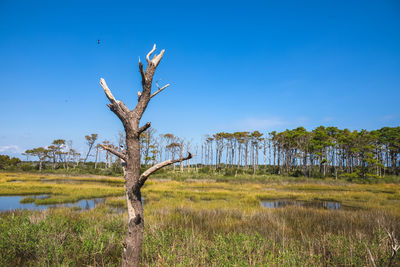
98, 41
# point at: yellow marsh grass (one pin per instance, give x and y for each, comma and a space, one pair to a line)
9, 177
60, 193
202, 195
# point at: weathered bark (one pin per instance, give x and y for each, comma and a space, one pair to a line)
131, 157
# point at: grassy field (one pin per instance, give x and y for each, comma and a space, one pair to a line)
197, 221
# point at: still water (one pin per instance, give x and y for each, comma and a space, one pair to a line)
13, 203
279, 203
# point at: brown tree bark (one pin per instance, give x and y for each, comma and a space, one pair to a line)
131, 157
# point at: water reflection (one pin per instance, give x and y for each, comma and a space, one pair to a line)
280, 203
13, 203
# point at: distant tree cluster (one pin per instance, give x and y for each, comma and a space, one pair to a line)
61, 154
321, 152
6, 162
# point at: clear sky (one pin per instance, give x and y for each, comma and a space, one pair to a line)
232, 66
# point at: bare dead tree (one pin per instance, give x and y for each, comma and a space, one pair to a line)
181, 143
188, 149
90, 140
196, 153
131, 157
98, 149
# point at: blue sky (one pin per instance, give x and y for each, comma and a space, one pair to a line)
232, 66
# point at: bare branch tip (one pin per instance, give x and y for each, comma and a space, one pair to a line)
149, 54
159, 89
106, 90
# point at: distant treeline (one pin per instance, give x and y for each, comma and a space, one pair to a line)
324, 151
320, 152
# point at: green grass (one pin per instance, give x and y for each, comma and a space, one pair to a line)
60, 237
202, 223
27, 200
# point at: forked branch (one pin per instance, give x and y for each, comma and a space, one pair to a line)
156, 59
158, 166
115, 152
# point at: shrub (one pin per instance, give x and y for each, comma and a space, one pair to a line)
27, 167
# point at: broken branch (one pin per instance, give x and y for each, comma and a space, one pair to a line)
158, 58
107, 91
159, 89
116, 106
115, 152
158, 166
142, 72
144, 128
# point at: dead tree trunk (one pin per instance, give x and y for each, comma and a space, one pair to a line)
133, 179
181, 146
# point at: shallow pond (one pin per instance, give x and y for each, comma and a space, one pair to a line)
13, 203
280, 203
